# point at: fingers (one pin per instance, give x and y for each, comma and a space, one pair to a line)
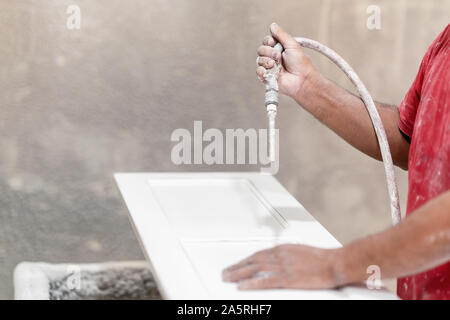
260, 72
269, 41
267, 56
282, 36
240, 273
259, 256
261, 270
259, 261
255, 276
267, 51
262, 282
251, 271
247, 261
266, 62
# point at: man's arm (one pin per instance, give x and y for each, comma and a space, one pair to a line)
338, 109
416, 244
347, 116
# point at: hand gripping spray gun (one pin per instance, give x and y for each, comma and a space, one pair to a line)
271, 103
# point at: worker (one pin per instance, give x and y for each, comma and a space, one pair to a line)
417, 250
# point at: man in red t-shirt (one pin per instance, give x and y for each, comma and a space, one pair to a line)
417, 250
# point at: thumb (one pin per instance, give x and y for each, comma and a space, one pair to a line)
282, 36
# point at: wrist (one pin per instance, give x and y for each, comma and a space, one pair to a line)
340, 270
309, 87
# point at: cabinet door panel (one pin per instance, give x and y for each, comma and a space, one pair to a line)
216, 209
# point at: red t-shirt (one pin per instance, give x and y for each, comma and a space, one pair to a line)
425, 118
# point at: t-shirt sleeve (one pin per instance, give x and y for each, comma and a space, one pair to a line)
408, 107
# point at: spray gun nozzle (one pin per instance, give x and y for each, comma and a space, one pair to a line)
271, 114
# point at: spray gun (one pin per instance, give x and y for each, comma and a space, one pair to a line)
271, 103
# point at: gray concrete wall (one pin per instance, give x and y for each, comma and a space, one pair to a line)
77, 106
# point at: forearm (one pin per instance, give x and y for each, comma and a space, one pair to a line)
420, 242
346, 115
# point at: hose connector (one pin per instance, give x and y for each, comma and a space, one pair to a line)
271, 77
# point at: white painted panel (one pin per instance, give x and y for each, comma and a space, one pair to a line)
192, 225
216, 209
